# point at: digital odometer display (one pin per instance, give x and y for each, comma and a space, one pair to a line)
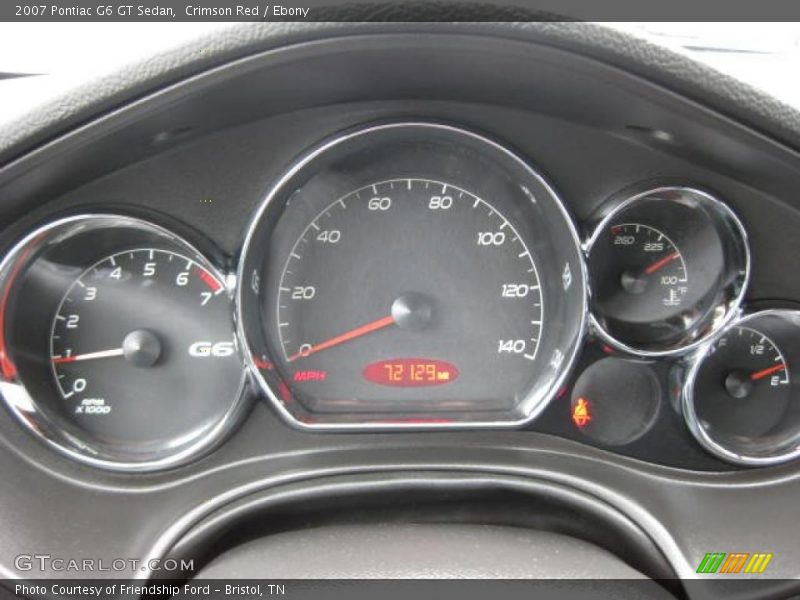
398, 255
410, 372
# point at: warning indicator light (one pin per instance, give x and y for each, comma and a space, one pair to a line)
580, 413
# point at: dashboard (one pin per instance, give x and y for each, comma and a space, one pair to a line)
403, 275
276, 271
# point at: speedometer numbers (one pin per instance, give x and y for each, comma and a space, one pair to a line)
410, 275
403, 295
669, 267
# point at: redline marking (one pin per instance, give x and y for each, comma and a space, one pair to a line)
208, 279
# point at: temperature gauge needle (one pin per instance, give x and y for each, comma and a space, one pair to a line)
661, 263
345, 337
88, 356
766, 372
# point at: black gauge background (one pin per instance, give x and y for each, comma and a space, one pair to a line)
440, 154
406, 249
708, 248
634, 310
37, 293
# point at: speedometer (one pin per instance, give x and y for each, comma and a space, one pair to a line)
482, 301
411, 275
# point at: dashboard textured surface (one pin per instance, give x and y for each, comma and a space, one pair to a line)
674, 72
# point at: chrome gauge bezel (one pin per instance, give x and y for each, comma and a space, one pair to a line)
15, 395
730, 307
692, 365
275, 194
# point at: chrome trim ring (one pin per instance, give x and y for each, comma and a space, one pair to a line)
731, 308
566, 365
694, 363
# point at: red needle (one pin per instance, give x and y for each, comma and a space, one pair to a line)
346, 337
765, 372
660, 263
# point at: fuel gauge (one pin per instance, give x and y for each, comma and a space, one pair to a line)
739, 391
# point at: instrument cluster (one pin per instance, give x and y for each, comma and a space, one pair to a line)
399, 276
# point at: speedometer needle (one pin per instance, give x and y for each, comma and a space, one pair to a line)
345, 337
88, 356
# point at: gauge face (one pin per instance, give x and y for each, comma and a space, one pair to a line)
651, 277
119, 348
740, 392
127, 343
412, 275
669, 267
744, 384
403, 269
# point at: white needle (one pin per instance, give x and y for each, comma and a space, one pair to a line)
89, 356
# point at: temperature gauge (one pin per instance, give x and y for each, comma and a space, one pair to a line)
653, 268
668, 268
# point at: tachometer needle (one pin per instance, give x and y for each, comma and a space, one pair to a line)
345, 337
661, 263
88, 356
766, 372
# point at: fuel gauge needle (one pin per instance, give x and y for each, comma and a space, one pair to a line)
766, 372
88, 356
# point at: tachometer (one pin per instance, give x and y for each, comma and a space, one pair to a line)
411, 275
118, 344
115, 363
